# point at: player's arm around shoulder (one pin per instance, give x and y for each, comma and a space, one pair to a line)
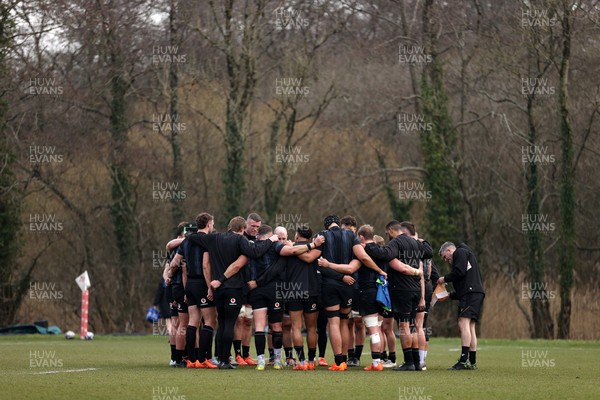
403, 268
346, 269
289, 250
361, 254
173, 244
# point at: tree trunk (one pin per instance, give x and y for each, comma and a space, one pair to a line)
543, 324
176, 205
233, 178
443, 215
122, 195
273, 188
567, 183
444, 211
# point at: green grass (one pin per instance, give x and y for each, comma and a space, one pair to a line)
132, 367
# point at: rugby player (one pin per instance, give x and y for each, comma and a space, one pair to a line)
174, 279
265, 292
243, 325
228, 253
355, 322
322, 319
340, 247
406, 291
369, 309
466, 279
408, 228
303, 278
199, 296
387, 325
286, 324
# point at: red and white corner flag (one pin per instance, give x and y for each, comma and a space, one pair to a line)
83, 281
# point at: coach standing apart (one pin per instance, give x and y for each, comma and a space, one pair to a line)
466, 279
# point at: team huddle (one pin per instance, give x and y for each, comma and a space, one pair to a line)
253, 281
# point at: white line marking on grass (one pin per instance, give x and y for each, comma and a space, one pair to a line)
66, 370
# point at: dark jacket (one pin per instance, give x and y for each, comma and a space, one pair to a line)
465, 274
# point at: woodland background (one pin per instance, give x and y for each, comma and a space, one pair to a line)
476, 119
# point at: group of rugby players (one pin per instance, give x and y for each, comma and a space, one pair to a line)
252, 277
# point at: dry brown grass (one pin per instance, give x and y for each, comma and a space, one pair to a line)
504, 319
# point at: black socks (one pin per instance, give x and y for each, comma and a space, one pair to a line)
300, 352
311, 354
288, 352
357, 352
338, 359
416, 357
473, 357
190, 342
237, 347
206, 336
464, 354
408, 356
260, 341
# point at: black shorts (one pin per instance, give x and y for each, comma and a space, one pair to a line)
197, 293
178, 298
368, 302
172, 304
264, 297
469, 306
385, 313
173, 307
428, 295
404, 304
229, 297
333, 294
309, 305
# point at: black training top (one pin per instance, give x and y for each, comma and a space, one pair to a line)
337, 249
246, 271
224, 249
465, 274
427, 250
177, 278
355, 275
266, 268
407, 250
366, 276
427, 259
302, 276
193, 254
435, 275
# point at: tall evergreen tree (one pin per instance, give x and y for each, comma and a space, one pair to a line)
444, 214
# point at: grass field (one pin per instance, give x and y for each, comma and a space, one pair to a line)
43, 367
